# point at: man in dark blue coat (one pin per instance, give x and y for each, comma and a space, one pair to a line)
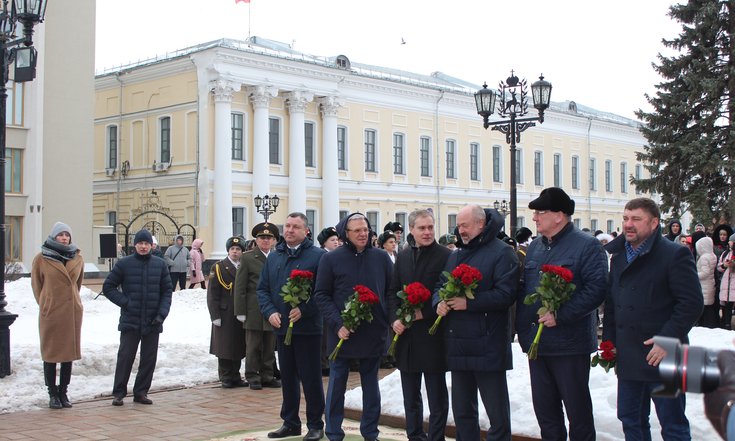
300, 362
477, 331
419, 354
560, 373
141, 286
654, 290
354, 263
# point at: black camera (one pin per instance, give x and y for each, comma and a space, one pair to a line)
686, 368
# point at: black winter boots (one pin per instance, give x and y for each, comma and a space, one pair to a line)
53, 395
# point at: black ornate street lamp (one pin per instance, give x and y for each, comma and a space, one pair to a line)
21, 51
266, 205
502, 207
514, 105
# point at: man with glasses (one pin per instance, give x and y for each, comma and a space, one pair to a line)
354, 263
560, 373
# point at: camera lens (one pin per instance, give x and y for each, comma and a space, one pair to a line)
686, 368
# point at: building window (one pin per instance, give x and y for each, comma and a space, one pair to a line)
13, 170
451, 223
343, 214
519, 166
608, 176
475, 161
311, 220
372, 217
112, 147
398, 151
497, 166
342, 148
520, 221
370, 150
624, 177
593, 174
451, 159
638, 170
425, 153
13, 239
593, 225
14, 104
401, 219
237, 141
538, 165
274, 140
238, 221
610, 226
165, 139
577, 223
309, 144
557, 170
575, 172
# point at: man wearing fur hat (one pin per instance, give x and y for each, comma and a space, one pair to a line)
228, 338
560, 373
141, 286
260, 339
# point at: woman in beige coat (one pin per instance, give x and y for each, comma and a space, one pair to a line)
56, 277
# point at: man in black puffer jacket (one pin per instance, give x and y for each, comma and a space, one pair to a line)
141, 286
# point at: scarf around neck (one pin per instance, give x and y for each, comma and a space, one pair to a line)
52, 249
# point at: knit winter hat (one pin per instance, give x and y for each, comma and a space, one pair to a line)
58, 228
732, 238
143, 236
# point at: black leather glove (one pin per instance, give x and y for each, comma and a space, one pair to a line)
717, 404
157, 321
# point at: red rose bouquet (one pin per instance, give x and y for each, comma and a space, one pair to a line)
554, 289
413, 297
606, 356
461, 282
296, 290
357, 309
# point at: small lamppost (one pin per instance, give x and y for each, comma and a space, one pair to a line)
21, 51
513, 105
266, 205
502, 207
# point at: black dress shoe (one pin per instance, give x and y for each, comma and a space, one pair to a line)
273, 383
314, 435
143, 399
285, 431
228, 385
241, 383
255, 385
117, 401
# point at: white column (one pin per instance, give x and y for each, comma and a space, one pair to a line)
260, 98
222, 209
330, 168
297, 102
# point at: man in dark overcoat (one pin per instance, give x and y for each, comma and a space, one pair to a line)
419, 354
228, 338
477, 331
654, 290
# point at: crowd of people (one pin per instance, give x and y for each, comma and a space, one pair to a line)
645, 280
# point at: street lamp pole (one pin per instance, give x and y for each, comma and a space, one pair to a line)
266, 205
513, 104
29, 13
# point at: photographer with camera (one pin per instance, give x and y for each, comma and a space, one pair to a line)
718, 404
654, 290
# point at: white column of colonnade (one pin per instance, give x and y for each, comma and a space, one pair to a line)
297, 102
260, 98
330, 168
222, 209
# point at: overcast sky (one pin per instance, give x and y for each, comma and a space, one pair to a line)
596, 53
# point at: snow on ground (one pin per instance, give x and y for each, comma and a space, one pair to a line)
184, 359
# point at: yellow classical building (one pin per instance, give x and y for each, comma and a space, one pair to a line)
184, 143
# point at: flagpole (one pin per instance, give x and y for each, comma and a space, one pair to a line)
249, 6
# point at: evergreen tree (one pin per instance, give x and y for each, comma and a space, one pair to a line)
690, 131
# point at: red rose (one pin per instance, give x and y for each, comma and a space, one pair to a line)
562, 272
608, 355
607, 345
467, 280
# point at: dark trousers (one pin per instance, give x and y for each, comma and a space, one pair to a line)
229, 370
436, 392
710, 316
493, 389
179, 278
301, 366
260, 356
203, 284
49, 373
129, 341
339, 371
557, 380
634, 408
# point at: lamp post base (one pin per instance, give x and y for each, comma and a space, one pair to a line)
6, 319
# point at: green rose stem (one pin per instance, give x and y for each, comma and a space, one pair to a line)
289, 331
392, 349
533, 350
333, 355
435, 326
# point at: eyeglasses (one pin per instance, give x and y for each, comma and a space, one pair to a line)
359, 231
540, 212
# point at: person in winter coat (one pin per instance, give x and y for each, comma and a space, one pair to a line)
57, 273
195, 267
260, 340
177, 256
720, 238
300, 360
419, 354
227, 341
354, 263
141, 286
706, 269
560, 373
328, 239
673, 229
653, 289
477, 331
726, 265
155, 249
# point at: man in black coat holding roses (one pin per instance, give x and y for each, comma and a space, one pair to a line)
417, 352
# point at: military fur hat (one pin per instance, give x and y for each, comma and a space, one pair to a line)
235, 241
